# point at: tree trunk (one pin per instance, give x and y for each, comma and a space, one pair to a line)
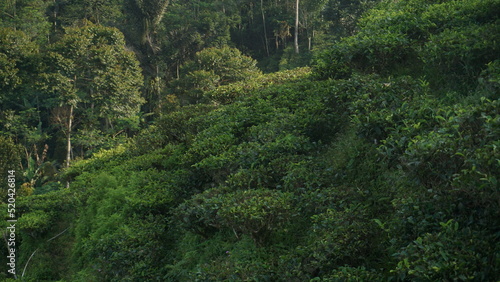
296, 40
177, 70
56, 7
68, 136
68, 140
265, 29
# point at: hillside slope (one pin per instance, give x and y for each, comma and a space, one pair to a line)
380, 163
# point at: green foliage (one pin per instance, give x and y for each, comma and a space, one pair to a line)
451, 254
15, 49
27, 16
10, 158
213, 67
462, 51
384, 169
8, 73
343, 238
340, 20
228, 63
448, 40
291, 60
99, 12
108, 76
90, 79
490, 79
346, 273
333, 63
42, 220
177, 127
192, 27
255, 213
116, 227
226, 94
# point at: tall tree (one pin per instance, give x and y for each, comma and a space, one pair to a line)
20, 112
57, 80
94, 81
107, 76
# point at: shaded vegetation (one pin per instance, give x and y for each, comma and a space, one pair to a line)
380, 162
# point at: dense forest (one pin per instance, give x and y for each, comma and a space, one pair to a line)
245, 140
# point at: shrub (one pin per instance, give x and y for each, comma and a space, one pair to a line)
213, 67
451, 254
